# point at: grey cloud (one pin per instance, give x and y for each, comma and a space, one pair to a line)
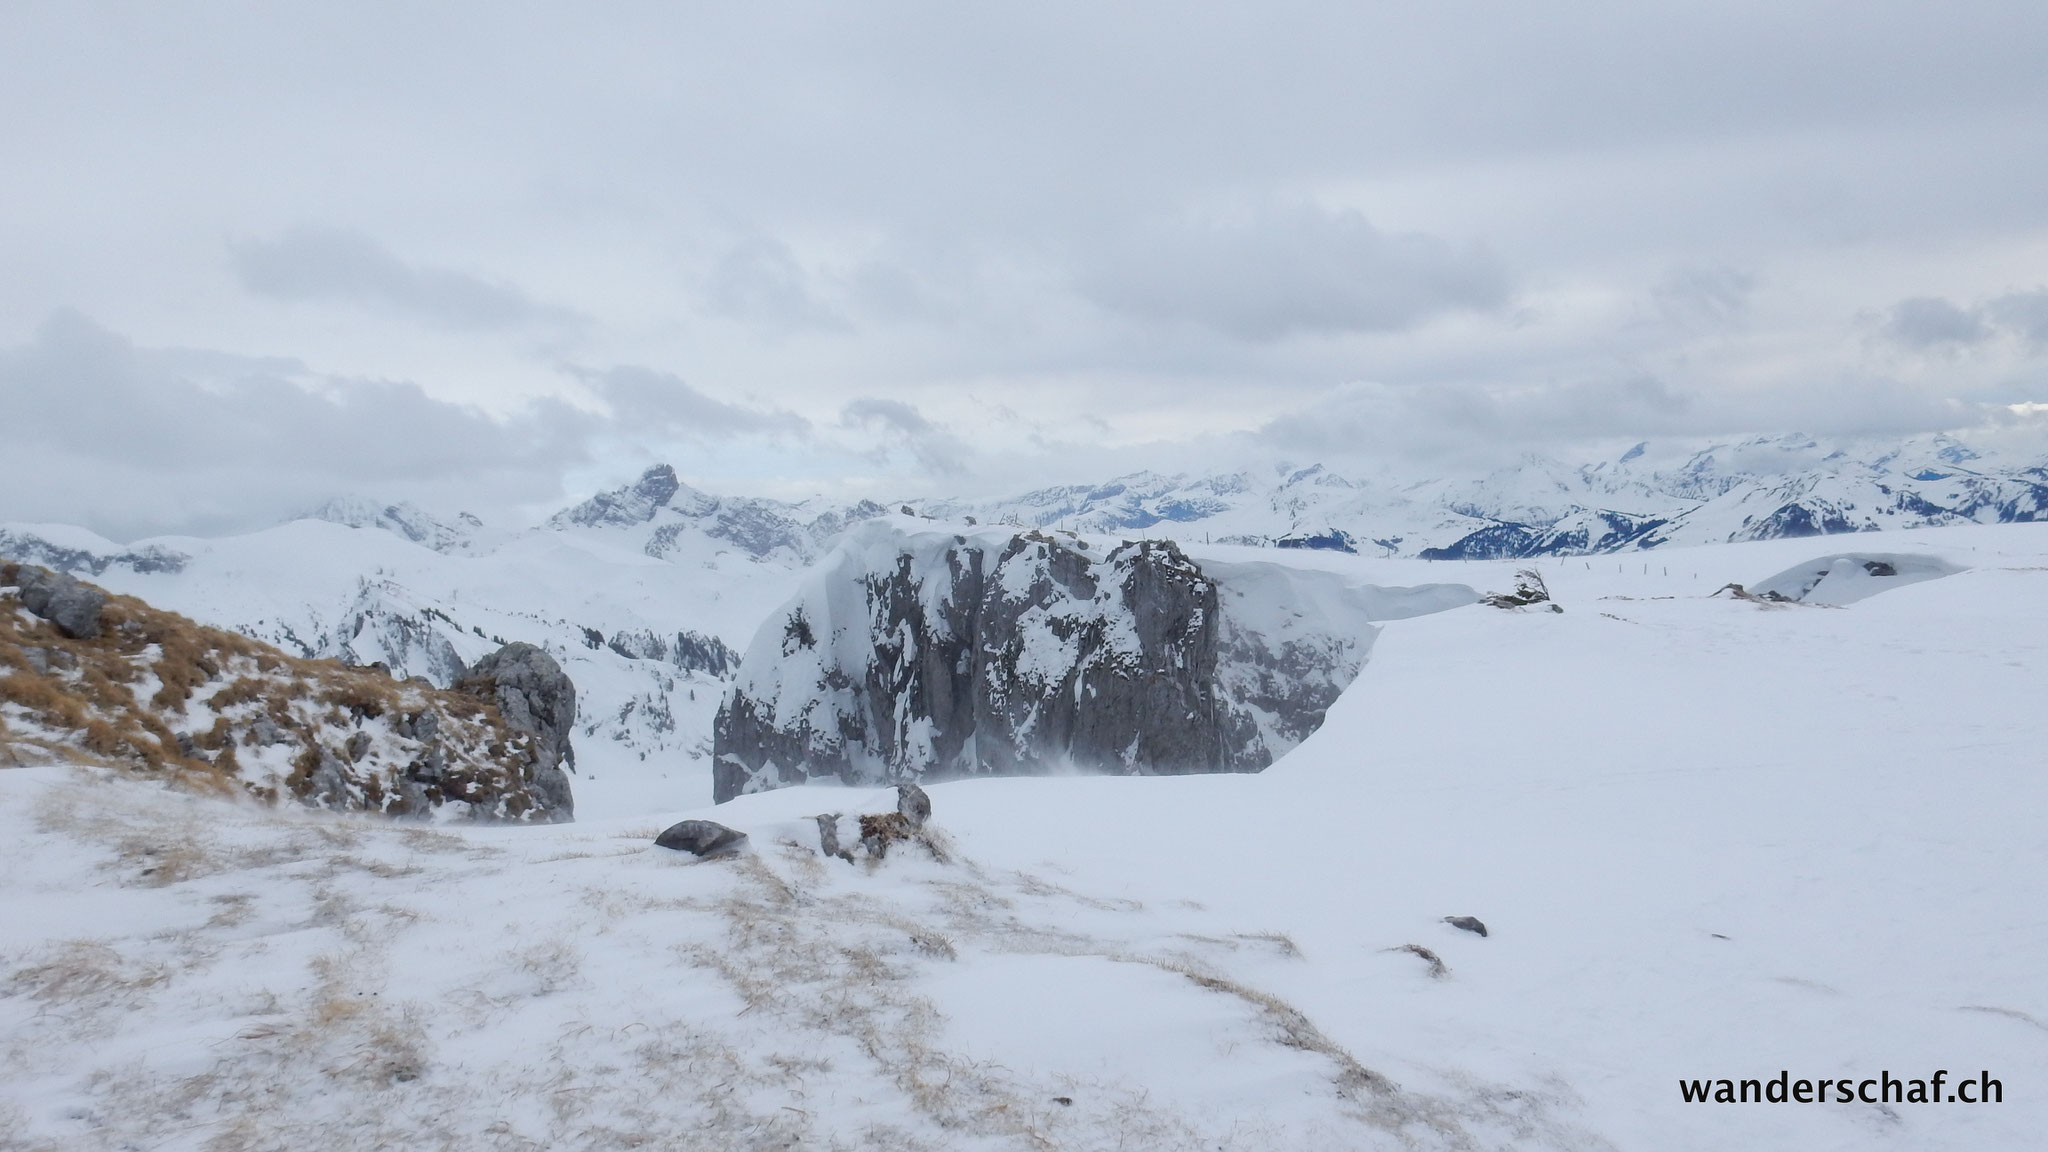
131, 441
1472, 422
648, 402
760, 279
934, 448
2023, 313
337, 264
1275, 270
1932, 322
1704, 297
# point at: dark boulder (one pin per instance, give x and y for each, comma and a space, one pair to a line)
701, 838
62, 599
913, 805
1466, 923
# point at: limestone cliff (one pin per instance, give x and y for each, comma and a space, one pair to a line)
926, 655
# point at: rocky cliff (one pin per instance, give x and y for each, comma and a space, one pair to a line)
923, 655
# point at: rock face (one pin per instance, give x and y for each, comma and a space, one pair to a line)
535, 696
927, 655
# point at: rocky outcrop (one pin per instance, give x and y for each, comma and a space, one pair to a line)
93, 678
1529, 590
65, 601
920, 656
534, 696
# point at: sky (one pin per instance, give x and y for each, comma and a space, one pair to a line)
497, 256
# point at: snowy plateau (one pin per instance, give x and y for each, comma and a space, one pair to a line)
1712, 832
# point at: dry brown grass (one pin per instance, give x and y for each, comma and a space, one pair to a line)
1438, 970
86, 710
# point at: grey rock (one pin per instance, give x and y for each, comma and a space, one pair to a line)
358, 746
430, 764
328, 785
535, 696
828, 837
48, 660
264, 731
913, 804
1467, 923
701, 838
1529, 589
60, 598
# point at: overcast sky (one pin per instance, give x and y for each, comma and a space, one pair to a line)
254, 255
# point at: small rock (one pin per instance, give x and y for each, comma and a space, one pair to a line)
327, 785
913, 804
358, 746
264, 731
1468, 923
1529, 589
701, 838
828, 837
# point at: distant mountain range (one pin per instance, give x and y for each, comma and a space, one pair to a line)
1757, 489
646, 593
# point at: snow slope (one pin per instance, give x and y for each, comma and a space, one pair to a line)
1710, 838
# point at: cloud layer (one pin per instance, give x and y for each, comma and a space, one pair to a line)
909, 246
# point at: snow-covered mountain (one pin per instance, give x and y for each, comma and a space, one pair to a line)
649, 643
1758, 489
665, 518
647, 593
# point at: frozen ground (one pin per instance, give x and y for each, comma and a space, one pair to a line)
1710, 839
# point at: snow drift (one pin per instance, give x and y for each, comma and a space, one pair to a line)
1852, 576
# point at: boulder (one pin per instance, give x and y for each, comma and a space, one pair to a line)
1466, 923
913, 804
534, 696
62, 599
701, 838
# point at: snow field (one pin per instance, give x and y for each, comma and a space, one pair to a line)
1711, 839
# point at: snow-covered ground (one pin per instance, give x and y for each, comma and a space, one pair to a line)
1711, 839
